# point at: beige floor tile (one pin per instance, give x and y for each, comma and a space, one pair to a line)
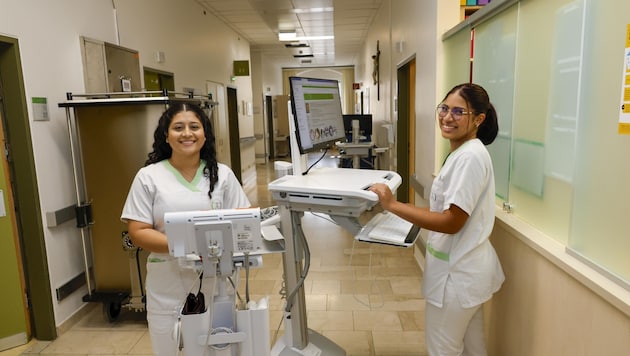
330, 320
94, 342
408, 343
355, 343
400, 302
412, 320
143, 346
346, 302
376, 320
406, 285
381, 287
326, 287
316, 302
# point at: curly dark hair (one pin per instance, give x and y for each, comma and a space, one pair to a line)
162, 150
478, 99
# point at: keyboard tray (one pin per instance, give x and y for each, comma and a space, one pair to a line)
403, 238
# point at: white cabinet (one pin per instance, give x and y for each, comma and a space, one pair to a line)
109, 68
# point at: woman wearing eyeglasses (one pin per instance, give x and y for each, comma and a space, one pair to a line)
462, 269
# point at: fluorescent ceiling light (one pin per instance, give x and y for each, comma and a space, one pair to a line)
306, 38
287, 35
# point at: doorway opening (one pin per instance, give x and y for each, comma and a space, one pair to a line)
405, 130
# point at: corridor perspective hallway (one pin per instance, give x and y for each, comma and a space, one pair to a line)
365, 297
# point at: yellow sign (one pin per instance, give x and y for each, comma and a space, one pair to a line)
624, 108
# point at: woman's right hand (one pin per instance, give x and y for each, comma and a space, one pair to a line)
385, 196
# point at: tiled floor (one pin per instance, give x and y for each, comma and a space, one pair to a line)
364, 297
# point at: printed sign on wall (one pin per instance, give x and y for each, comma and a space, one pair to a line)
624, 112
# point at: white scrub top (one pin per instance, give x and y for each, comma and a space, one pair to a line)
467, 257
159, 188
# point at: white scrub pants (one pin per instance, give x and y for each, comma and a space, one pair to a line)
453, 330
167, 286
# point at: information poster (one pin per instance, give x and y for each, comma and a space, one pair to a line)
624, 114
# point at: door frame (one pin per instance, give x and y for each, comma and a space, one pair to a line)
28, 211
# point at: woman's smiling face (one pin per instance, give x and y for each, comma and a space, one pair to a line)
461, 126
185, 134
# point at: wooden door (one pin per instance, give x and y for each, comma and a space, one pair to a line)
14, 328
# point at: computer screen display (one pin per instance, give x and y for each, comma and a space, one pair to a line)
316, 108
365, 126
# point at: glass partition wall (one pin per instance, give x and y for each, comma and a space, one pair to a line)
553, 69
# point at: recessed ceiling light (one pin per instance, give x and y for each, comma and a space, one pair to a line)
282, 37
287, 35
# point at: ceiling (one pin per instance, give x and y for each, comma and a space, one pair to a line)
260, 22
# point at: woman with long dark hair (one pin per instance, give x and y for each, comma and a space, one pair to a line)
180, 174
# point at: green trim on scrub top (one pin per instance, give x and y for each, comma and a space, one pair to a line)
444, 256
190, 185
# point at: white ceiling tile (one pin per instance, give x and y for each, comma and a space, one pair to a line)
258, 21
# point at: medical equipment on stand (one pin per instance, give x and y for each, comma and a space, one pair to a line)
216, 243
341, 193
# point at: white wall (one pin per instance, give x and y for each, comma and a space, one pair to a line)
419, 25
51, 65
198, 47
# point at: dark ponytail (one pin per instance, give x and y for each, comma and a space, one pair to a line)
489, 128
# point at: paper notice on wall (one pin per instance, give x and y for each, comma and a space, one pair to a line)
624, 112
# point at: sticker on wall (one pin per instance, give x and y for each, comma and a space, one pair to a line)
40, 109
624, 112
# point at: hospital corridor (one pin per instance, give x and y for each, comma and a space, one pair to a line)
364, 297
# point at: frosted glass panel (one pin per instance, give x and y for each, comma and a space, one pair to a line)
500, 153
493, 68
456, 71
456, 60
527, 167
599, 229
564, 92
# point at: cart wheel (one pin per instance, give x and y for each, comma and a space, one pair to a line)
111, 310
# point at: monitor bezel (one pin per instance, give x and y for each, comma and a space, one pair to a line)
328, 144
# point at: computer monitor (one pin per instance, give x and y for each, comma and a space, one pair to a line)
316, 108
365, 126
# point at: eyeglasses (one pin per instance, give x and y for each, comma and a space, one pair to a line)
456, 113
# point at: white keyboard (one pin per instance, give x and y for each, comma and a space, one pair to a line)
389, 228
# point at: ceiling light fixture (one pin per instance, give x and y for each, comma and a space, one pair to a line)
287, 35
296, 45
282, 37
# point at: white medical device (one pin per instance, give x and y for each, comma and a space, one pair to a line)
217, 242
343, 194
